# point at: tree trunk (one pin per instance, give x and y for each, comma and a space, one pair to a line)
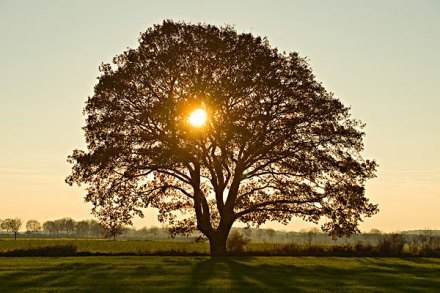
217, 244
15, 235
217, 241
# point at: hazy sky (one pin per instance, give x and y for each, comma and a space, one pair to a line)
380, 57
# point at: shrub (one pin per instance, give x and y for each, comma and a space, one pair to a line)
236, 242
391, 244
58, 250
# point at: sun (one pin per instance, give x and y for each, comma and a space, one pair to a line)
197, 117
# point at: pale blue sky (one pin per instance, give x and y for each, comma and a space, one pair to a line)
380, 57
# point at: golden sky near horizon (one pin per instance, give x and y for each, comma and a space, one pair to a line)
379, 57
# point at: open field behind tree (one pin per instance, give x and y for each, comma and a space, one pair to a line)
192, 274
389, 245
109, 246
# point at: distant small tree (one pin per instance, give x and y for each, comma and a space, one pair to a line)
125, 230
12, 225
49, 226
260, 234
96, 229
16, 225
144, 232
82, 228
290, 236
313, 232
270, 233
154, 231
375, 231
68, 225
59, 226
5, 225
33, 226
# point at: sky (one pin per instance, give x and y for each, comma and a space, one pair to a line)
382, 58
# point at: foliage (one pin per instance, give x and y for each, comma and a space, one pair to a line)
82, 228
375, 231
64, 224
112, 223
50, 226
12, 225
154, 231
57, 250
392, 244
238, 245
237, 242
68, 225
270, 234
84, 246
33, 226
276, 145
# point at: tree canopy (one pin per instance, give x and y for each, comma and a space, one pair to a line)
33, 226
276, 144
12, 225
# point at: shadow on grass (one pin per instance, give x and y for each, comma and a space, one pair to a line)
231, 274
93, 274
370, 274
49, 277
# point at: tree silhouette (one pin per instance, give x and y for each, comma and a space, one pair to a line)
275, 144
12, 225
82, 228
50, 226
96, 229
68, 225
59, 226
33, 226
154, 231
270, 233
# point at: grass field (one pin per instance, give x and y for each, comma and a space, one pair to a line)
202, 273
109, 246
133, 247
128, 247
205, 274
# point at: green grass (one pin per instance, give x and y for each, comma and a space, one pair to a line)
123, 246
138, 247
205, 274
109, 246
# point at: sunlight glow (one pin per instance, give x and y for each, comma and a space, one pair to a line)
197, 117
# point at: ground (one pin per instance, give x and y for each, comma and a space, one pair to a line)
205, 274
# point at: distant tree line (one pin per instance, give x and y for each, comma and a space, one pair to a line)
69, 228
65, 227
417, 242
313, 242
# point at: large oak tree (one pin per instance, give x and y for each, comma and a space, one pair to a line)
276, 144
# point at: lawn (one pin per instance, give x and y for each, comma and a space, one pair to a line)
205, 274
